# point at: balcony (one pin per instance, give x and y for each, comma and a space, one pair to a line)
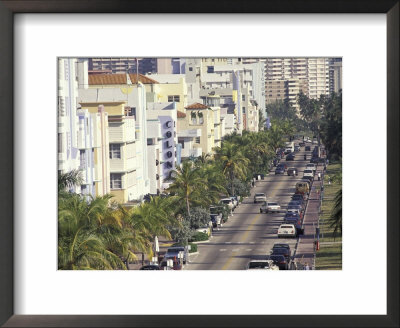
189, 133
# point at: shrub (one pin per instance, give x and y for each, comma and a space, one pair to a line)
199, 236
199, 217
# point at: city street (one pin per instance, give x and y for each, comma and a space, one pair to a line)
249, 234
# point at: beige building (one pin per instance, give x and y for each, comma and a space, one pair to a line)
199, 117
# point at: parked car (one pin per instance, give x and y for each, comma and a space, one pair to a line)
235, 201
307, 148
176, 265
259, 176
290, 157
292, 171
262, 264
229, 202
268, 207
150, 267
276, 161
260, 197
174, 252
216, 219
295, 211
286, 230
280, 261
308, 174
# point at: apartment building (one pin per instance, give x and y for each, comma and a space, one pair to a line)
121, 65
335, 75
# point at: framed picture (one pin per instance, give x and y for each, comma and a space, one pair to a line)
35, 293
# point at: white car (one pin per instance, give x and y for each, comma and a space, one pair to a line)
286, 230
311, 166
229, 202
234, 200
308, 174
268, 207
262, 264
260, 197
207, 229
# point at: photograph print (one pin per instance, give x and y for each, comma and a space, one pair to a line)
199, 163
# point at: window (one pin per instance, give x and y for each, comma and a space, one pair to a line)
243, 97
210, 69
244, 110
190, 69
115, 151
130, 111
197, 140
173, 98
116, 181
60, 143
150, 142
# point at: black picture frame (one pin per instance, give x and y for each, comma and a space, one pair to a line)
7, 200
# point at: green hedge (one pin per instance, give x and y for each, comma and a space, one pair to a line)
199, 236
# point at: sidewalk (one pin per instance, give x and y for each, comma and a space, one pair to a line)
305, 253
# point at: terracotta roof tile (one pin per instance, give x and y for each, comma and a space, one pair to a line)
180, 114
197, 106
104, 79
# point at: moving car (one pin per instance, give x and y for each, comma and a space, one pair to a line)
308, 174
290, 157
282, 165
260, 197
280, 261
311, 166
281, 245
298, 197
282, 251
307, 148
268, 207
296, 147
292, 171
302, 187
286, 230
297, 223
279, 170
262, 264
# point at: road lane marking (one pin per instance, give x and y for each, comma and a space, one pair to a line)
228, 242
249, 249
222, 250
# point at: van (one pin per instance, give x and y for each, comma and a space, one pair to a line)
302, 188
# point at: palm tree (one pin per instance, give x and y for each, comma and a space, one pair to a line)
186, 184
69, 179
336, 215
233, 162
81, 245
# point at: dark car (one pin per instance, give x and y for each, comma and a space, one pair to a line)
281, 251
290, 157
150, 267
281, 245
276, 161
297, 222
292, 171
302, 144
307, 148
279, 170
255, 176
296, 148
297, 203
175, 264
174, 252
282, 165
298, 197
213, 219
281, 261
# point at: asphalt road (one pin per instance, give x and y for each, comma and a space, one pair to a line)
248, 234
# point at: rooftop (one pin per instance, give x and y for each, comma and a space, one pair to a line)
105, 79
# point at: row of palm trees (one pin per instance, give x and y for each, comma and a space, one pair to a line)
97, 233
